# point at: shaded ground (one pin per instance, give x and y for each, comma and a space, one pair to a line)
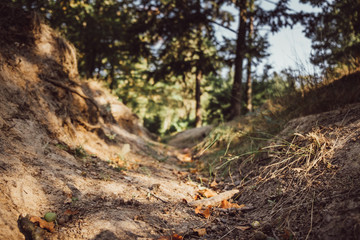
69, 147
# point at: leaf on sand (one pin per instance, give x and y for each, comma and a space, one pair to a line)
172, 237
198, 209
226, 204
200, 231
197, 197
213, 201
184, 157
50, 226
180, 174
206, 213
208, 193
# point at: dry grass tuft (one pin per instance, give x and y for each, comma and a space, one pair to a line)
305, 157
297, 168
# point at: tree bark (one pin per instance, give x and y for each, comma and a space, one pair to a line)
248, 88
199, 73
236, 93
198, 120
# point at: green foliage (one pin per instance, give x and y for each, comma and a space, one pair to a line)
335, 32
217, 97
270, 87
80, 152
152, 52
165, 107
217, 100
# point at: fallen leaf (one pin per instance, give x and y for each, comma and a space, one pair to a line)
213, 184
214, 201
235, 205
200, 231
43, 224
208, 193
182, 174
172, 237
243, 228
226, 204
206, 213
70, 212
198, 209
193, 170
176, 237
184, 157
197, 196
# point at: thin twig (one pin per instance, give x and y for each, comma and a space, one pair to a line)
157, 197
227, 234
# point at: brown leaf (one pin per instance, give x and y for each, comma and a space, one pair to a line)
206, 213
183, 174
208, 193
184, 157
200, 231
197, 196
50, 226
176, 237
213, 184
243, 228
70, 212
235, 205
226, 204
198, 209
172, 237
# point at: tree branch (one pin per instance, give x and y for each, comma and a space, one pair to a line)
227, 28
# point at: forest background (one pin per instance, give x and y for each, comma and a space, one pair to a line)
167, 61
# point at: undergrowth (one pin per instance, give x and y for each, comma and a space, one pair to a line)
234, 146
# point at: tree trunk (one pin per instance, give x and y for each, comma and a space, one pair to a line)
240, 54
248, 90
198, 120
198, 80
113, 81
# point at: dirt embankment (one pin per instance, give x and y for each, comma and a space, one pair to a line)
68, 146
